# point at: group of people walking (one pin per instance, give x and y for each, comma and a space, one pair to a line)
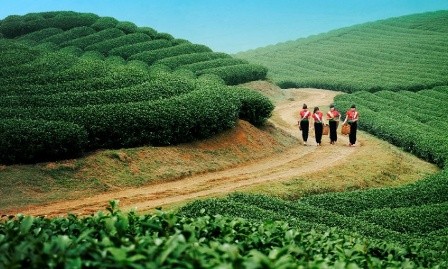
334, 117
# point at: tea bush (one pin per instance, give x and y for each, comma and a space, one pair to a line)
237, 74
185, 59
104, 23
151, 57
96, 37
41, 34
107, 45
67, 36
29, 141
166, 240
127, 51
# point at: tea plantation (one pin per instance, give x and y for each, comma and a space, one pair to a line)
78, 79
402, 53
412, 216
75, 82
397, 71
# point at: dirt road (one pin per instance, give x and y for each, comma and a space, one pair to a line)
296, 161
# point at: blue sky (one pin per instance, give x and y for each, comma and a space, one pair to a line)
234, 25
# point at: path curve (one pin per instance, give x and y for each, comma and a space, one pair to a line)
296, 161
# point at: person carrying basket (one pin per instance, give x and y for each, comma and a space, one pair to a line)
352, 117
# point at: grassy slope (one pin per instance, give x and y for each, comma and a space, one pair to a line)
403, 53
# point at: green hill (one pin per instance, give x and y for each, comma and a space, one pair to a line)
75, 82
64, 81
403, 53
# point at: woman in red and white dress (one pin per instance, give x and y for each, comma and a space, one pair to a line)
333, 117
304, 122
352, 117
318, 125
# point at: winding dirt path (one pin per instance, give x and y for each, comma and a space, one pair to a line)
298, 160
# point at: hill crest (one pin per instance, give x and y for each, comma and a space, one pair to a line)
401, 53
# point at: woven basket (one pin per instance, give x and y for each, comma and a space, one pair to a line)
345, 130
326, 129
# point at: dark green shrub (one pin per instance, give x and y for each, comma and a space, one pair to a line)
127, 51
25, 141
167, 240
195, 115
53, 68
211, 79
47, 47
72, 50
417, 219
237, 74
186, 59
127, 27
178, 41
155, 89
107, 45
93, 56
255, 107
85, 41
184, 73
63, 20
104, 23
219, 62
116, 60
163, 36
41, 34
32, 17
147, 30
16, 54
151, 57
69, 35
130, 75
67, 20
17, 28
51, 14
431, 190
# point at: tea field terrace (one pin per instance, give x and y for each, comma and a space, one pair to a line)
401, 53
75, 82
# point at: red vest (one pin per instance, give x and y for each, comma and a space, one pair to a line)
317, 116
352, 115
335, 114
305, 114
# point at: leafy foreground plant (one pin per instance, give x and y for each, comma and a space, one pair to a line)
168, 240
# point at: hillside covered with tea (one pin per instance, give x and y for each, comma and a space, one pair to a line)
68, 88
74, 82
402, 53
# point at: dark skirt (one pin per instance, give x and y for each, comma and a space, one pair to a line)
305, 127
318, 128
353, 129
333, 130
